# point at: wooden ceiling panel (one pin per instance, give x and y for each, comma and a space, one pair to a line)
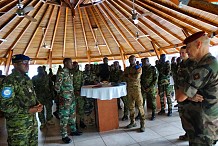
97, 29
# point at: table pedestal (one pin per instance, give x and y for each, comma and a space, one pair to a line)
107, 115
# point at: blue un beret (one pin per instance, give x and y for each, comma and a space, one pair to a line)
19, 57
194, 37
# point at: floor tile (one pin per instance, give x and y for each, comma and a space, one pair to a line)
157, 142
91, 142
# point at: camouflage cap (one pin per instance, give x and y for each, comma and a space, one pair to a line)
194, 37
19, 57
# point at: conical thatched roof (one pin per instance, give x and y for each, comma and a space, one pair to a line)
88, 30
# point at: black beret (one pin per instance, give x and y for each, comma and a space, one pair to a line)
163, 55
19, 57
194, 37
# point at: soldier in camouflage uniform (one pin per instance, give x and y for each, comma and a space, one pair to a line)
41, 86
164, 84
19, 104
80, 101
182, 76
148, 82
202, 90
116, 75
89, 77
132, 75
67, 101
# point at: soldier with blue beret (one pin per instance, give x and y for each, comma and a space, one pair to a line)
20, 105
202, 90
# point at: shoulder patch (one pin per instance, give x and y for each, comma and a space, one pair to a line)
7, 92
196, 76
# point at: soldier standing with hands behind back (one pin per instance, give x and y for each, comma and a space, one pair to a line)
20, 105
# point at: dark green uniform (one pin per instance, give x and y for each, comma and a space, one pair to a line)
203, 116
17, 97
43, 93
148, 82
67, 102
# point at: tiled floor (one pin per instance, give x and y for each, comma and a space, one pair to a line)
164, 131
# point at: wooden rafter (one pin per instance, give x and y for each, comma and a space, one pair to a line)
149, 18
155, 49
35, 31
12, 17
131, 33
112, 34
65, 32
25, 28
117, 28
151, 29
46, 30
99, 28
185, 12
173, 14
55, 29
75, 40
90, 26
84, 34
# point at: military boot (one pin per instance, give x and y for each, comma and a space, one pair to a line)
169, 114
142, 126
137, 117
132, 124
162, 112
152, 116
82, 124
124, 118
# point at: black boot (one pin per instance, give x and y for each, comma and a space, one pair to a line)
137, 117
124, 118
169, 114
66, 140
162, 112
152, 116
82, 124
56, 114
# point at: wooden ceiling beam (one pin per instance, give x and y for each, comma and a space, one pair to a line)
149, 18
145, 24
99, 28
8, 62
46, 30
124, 26
75, 40
185, 12
5, 7
5, 3
173, 14
90, 27
112, 34
12, 17
115, 25
55, 28
65, 32
25, 28
15, 26
35, 31
84, 34
155, 50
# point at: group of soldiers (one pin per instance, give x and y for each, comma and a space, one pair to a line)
196, 87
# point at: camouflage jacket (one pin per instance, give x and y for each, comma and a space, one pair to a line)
77, 80
164, 73
149, 77
183, 72
17, 95
89, 77
64, 82
116, 76
41, 86
133, 77
204, 81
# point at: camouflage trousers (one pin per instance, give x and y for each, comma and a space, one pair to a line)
47, 104
152, 96
135, 100
67, 113
191, 118
22, 131
126, 105
165, 89
80, 103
